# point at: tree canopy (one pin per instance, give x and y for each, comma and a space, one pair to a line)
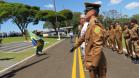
50, 18
67, 13
20, 14
68, 16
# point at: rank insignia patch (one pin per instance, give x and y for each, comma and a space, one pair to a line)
97, 29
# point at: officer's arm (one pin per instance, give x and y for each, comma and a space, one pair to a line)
120, 28
126, 34
80, 41
134, 34
97, 46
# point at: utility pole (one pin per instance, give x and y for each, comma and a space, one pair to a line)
56, 19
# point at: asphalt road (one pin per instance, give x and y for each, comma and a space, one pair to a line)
120, 66
58, 62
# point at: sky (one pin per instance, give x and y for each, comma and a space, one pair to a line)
129, 7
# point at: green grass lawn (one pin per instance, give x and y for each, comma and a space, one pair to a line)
12, 39
1, 68
22, 55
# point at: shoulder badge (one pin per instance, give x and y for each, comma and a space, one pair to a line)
97, 29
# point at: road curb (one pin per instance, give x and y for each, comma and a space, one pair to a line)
9, 69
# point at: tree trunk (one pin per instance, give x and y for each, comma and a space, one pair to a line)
54, 27
25, 35
56, 31
66, 23
22, 28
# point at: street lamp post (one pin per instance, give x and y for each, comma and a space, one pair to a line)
56, 18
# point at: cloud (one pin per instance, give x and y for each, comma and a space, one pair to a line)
115, 1
49, 6
98, 2
132, 5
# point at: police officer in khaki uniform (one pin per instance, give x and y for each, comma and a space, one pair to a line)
126, 35
106, 37
118, 37
95, 60
109, 39
112, 37
134, 36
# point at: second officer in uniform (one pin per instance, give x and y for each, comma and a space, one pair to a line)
95, 60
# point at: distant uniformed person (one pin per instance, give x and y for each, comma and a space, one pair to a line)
126, 35
95, 60
105, 37
134, 35
71, 34
108, 38
118, 37
112, 37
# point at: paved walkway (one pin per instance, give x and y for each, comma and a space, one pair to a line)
59, 63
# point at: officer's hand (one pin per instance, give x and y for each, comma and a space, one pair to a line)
72, 49
88, 66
